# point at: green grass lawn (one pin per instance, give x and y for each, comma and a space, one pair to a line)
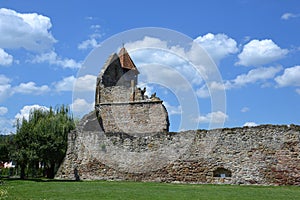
38, 189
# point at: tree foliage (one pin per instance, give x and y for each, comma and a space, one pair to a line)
42, 139
4, 148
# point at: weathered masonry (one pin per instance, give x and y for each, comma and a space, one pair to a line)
132, 141
264, 155
121, 106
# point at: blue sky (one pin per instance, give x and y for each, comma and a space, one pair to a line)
255, 45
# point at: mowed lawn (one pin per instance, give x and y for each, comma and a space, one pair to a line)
39, 189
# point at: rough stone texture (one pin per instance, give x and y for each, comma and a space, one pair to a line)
265, 155
134, 117
121, 106
136, 144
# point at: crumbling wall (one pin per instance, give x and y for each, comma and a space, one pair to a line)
122, 107
265, 155
134, 117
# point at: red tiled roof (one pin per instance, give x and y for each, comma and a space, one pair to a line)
126, 61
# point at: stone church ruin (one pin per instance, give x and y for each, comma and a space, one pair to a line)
127, 138
121, 107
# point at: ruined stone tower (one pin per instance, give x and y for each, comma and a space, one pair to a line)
121, 106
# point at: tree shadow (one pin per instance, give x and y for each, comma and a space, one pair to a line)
38, 180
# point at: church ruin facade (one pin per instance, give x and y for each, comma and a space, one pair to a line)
121, 106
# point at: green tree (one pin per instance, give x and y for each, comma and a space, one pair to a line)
43, 139
22, 141
4, 152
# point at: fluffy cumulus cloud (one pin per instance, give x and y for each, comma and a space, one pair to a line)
190, 60
90, 43
202, 92
213, 117
290, 77
250, 124
85, 83
5, 87
253, 76
287, 16
259, 75
3, 110
218, 46
30, 88
53, 59
206, 91
260, 52
25, 111
5, 58
147, 42
29, 31
66, 84
81, 107
82, 83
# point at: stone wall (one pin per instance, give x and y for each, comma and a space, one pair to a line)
115, 94
140, 117
265, 155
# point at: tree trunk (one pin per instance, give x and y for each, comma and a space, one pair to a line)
22, 175
50, 171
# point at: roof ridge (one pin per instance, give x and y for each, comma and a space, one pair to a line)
126, 61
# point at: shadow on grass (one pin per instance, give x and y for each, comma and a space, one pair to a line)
38, 180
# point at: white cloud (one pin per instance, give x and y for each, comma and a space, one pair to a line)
168, 77
287, 16
81, 107
245, 109
146, 43
6, 126
213, 117
203, 92
5, 58
3, 110
53, 59
290, 77
86, 83
255, 75
261, 75
218, 46
192, 61
25, 111
66, 84
259, 52
250, 124
298, 91
30, 88
172, 110
83, 83
90, 43
214, 86
5, 87
4, 79
95, 26
29, 31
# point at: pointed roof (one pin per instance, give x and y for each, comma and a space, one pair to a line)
126, 61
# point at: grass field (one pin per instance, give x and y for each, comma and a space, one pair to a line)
39, 189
